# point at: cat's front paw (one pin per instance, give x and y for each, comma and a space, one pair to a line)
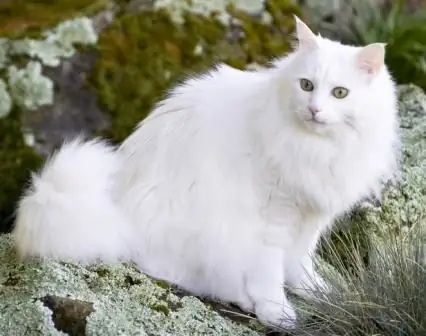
277, 316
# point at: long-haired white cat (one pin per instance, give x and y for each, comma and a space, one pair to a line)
227, 186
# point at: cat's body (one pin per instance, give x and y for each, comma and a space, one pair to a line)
227, 186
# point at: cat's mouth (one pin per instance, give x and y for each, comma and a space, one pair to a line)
313, 120
314, 125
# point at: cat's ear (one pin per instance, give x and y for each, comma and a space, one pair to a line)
371, 58
304, 35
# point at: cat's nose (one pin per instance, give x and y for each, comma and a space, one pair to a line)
313, 109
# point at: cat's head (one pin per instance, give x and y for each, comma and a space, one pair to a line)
334, 86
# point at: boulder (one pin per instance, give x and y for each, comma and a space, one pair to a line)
46, 297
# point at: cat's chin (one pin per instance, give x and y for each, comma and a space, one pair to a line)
314, 126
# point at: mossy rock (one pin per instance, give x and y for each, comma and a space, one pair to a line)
143, 54
21, 19
46, 297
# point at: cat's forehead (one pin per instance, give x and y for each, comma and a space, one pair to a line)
333, 52
330, 59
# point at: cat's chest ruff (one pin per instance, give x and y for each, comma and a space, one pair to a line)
308, 187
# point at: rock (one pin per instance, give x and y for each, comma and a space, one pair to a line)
404, 203
403, 209
45, 297
75, 109
33, 126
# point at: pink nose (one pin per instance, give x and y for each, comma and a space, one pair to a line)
313, 109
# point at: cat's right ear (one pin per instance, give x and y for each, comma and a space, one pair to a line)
306, 38
371, 58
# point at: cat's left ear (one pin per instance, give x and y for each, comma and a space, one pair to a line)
371, 58
304, 34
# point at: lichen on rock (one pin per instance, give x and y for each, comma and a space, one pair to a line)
178, 8
58, 42
404, 203
28, 87
46, 297
25, 88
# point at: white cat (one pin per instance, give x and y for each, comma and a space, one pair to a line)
227, 186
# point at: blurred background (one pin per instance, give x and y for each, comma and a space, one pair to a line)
97, 67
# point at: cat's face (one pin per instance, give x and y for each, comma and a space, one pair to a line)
330, 82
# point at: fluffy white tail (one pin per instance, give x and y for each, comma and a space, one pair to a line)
68, 211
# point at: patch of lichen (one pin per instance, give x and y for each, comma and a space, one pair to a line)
16, 163
143, 54
27, 17
43, 297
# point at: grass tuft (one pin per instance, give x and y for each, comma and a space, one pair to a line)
387, 297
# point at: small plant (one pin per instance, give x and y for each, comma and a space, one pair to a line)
387, 297
404, 32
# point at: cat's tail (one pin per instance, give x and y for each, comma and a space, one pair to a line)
68, 211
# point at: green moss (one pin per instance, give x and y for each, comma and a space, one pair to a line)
161, 308
16, 162
19, 17
163, 284
144, 54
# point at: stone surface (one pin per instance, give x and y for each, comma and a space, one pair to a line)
28, 131
45, 297
75, 109
404, 203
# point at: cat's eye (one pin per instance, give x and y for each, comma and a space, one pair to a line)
340, 92
306, 85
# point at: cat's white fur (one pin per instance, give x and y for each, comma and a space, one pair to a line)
227, 186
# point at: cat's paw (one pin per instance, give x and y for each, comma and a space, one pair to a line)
275, 315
